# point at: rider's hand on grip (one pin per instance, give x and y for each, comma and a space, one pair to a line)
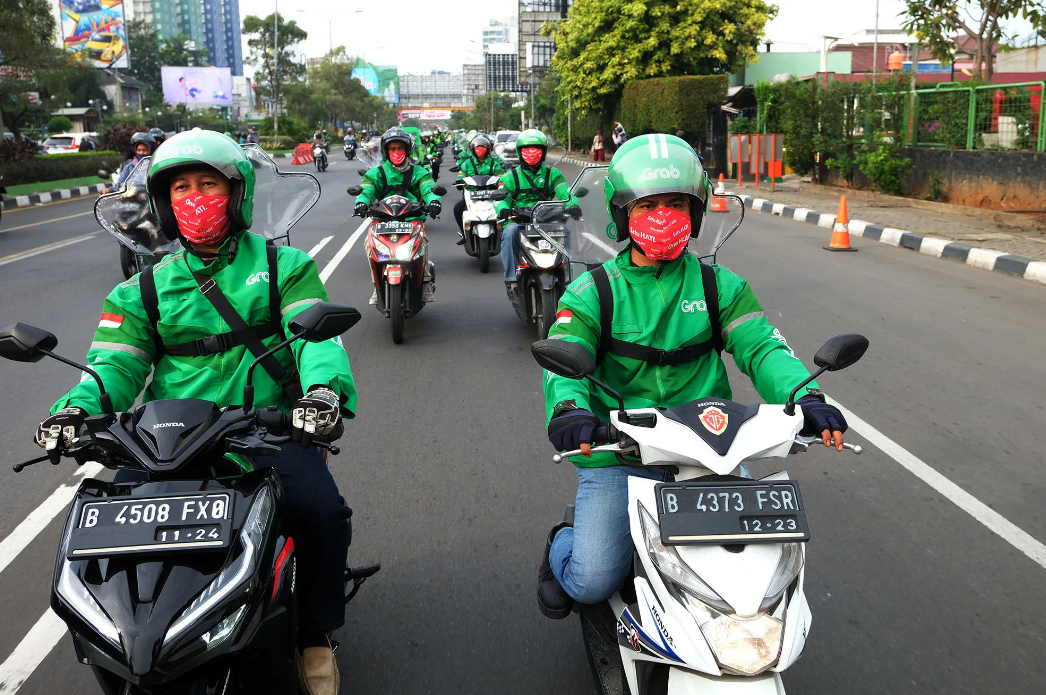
360, 210
435, 207
58, 431
572, 428
574, 211
315, 414
504, 214
823, 419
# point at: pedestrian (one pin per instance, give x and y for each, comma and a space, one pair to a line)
253, 137
622, 136
86, 145
242, 138
597, 147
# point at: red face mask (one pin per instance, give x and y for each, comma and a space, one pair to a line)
531, 155
202, 219
662, 234
397, 158
480, 151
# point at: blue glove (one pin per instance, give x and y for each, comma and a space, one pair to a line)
569, 429
820, 416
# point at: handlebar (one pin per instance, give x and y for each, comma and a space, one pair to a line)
805, 443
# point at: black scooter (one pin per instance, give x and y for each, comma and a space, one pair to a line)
350, 150
544, 267
183, 583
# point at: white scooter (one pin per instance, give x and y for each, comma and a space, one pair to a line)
480, 220
715, 603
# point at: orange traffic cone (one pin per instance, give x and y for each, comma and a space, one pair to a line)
718, 204
841, 230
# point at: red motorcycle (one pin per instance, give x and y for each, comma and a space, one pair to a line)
398, 252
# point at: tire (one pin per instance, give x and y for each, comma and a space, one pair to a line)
128, 263
547, 315
484, 255
394, 294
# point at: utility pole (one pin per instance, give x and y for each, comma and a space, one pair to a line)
570, 123
875, 45
119, 91
532, 95
276, 67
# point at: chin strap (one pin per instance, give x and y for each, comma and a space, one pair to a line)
234, 245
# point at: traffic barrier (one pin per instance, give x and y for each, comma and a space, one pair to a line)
302, 154
718, 204
841, 230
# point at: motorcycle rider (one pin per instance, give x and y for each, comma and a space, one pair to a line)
649, 352
142, 145
398, 175
527, 184
479, 160
158, 135
162, 322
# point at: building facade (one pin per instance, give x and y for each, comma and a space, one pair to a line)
501, 64
473, 82
211, 24
500, 32
437, 88
534, 51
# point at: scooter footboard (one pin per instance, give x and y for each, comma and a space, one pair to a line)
682, 682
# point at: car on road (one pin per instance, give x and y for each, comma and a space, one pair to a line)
105, 46
505, 146
65, 142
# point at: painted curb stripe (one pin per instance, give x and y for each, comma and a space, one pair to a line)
22, 201
1013, 265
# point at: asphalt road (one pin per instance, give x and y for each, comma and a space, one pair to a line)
450, 475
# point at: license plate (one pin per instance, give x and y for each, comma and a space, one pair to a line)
481, 195
153, 524
736, 512
394, 227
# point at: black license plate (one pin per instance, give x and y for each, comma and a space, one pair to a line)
735, 512
394, 227
152, 524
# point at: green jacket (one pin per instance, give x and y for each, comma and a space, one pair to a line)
419, 185
521, 194
124, 348
471, 166
668, 312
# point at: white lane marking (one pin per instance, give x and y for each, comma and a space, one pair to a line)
995, 522
39, 518
599, 242
44, 249
33, 649
37, 224
319, 247
343, 252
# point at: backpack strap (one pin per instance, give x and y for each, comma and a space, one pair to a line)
151, 303
644, 353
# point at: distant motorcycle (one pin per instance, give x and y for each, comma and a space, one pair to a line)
350, 149
319, 156
480, 220
544, 269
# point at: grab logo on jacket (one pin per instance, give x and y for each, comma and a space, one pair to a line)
260, 276
694, 306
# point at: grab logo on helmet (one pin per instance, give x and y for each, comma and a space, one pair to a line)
669, 172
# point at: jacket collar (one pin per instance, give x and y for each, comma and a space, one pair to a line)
642, 274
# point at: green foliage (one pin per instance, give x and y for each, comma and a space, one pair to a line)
331, 94
944, 118
59, 124
16, 149
412, 123
742, 125
668, 104
274, 69
292, 127
282, 142
604, 45
885, 167
934, 187
489, 115
55, 167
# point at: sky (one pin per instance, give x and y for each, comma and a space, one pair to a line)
430, 35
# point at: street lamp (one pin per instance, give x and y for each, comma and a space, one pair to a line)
826, 44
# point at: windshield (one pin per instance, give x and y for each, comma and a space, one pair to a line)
58, 142
280, 200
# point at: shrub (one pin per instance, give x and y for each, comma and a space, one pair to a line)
278, 143
291, 127
59, 124
54, 167
16, 149
885, 167
668, 104
117, 137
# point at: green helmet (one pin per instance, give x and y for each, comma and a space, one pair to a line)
532, 138
652, 164
191, 149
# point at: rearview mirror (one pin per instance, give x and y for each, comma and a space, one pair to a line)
324, 320
354, 190
581, 192
103, 174
21, 342
439, 190
563, 358
841, 351
361, 172
455, 169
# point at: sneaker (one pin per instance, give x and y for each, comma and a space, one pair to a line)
373, 301
318, 671
553, 600
461, 240
428, 292
513, 294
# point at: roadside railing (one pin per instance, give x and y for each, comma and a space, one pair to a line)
993, 117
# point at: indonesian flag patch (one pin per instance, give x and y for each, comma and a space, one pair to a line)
110, 321
564, 316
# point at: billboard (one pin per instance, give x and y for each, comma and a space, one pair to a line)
197, 86
94, 31
424, 114
380, 80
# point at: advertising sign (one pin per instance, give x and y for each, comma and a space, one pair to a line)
198, 86
94, 30
241, 92
425, 114
380, 80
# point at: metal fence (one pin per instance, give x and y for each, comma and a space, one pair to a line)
995, 116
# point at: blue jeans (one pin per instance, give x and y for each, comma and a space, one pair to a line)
510, 250
592, 560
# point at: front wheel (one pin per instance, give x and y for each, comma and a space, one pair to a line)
484, 255
128, 262
394, 296
547, 312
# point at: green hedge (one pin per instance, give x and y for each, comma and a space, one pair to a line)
54, 167
668, 104
278, 143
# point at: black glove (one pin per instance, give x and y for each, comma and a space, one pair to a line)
569, 429
315, 414
820, 416
504, 214
57, 432
360, 210
435, 207
574, 211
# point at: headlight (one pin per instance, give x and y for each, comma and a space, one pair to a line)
672, 567
544, 260
405, 251
233, 576
787, 570
381, 248
220, 632
80, 600
745, 646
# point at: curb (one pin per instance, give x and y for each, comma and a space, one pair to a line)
986, 259
23, 201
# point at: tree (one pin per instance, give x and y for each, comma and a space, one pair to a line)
26, 29
59, 124
277, 66
938, 22
178, 51
147, 61
605, 44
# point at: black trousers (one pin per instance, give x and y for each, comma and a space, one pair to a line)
319, 521
459, 210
